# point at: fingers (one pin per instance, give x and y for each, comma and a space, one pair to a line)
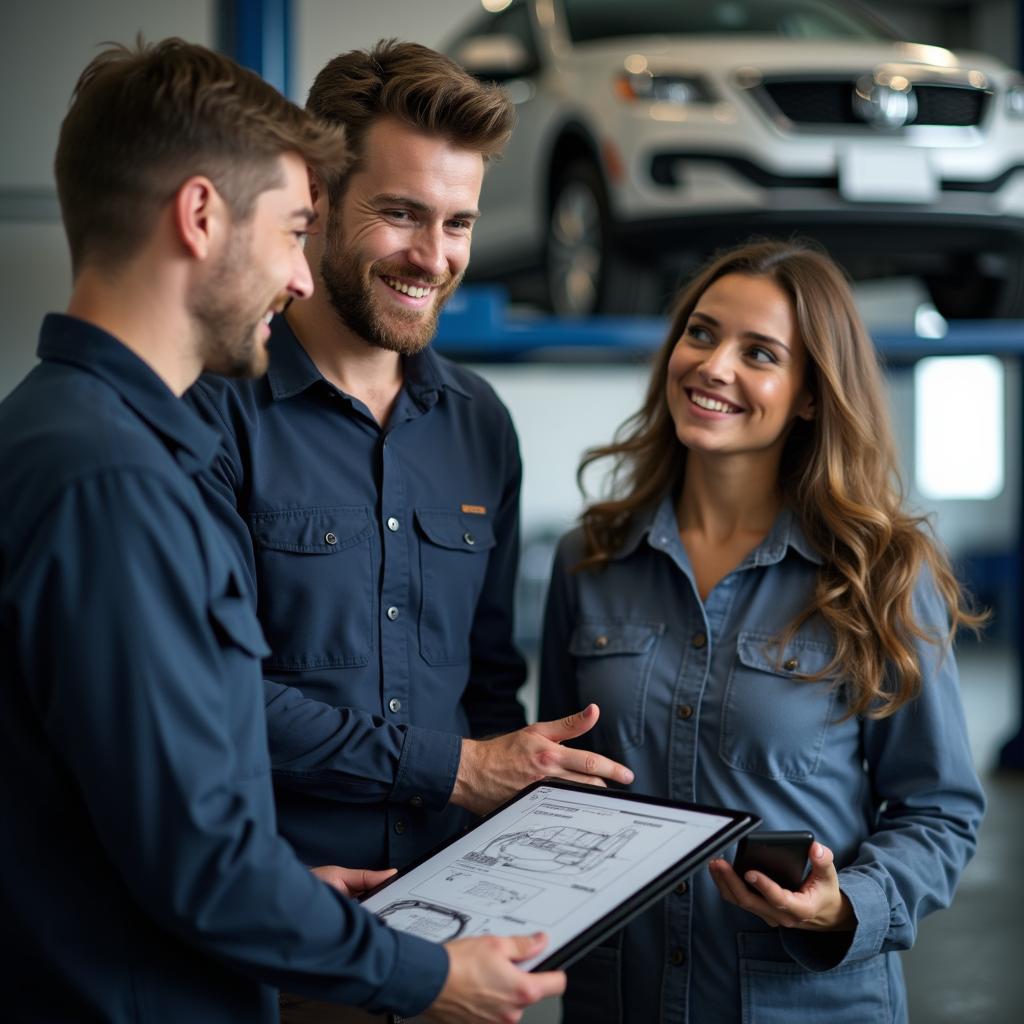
586, 766
571, 726
349, 881
522, 947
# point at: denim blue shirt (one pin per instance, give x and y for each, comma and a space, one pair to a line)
384, 562
142, 877
697, 701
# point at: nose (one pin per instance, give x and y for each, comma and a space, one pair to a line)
427, 252
717, 368
300, 284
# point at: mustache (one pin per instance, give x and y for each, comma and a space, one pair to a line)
408, 272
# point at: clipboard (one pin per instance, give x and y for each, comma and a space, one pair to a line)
572, 860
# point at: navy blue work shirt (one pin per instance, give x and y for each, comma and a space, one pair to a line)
702, 704
141, 876
384, 561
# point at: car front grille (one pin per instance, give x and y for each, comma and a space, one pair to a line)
830, 102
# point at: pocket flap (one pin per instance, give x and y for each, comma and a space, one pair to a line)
457, 531
801, 657
591, 640
311, 531
234, 618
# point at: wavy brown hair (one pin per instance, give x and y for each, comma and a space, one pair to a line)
838, 474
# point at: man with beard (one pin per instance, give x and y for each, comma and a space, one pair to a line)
143, 878
373, 488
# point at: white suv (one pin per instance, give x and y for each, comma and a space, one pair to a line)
653, 131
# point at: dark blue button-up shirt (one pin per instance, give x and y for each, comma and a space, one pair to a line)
141, 876
384, 562
697, 700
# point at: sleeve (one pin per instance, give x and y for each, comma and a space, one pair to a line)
497, 669
558, 691
929, 805
334, 753
144, 698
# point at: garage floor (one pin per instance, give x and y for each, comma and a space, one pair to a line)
966, 966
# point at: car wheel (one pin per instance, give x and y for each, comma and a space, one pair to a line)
990, 287
585, 272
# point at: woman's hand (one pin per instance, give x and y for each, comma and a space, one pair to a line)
819, 904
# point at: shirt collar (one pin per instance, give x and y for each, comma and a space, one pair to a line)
66, 339
657, 524
292, 371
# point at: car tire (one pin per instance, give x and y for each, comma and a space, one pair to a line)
970, 293
585, 272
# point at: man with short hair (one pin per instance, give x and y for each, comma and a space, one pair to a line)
142, 877
373, 488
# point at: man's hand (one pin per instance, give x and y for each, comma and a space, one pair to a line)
484, 986
819, 905
350, 881
491, 771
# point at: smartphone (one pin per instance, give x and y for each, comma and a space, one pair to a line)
782, 856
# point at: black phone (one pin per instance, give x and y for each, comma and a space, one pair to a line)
782, 856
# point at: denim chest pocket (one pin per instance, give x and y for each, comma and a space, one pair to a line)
613, 665
315, 580
774, 722
454, 557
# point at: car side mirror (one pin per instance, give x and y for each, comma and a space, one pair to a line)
495, 58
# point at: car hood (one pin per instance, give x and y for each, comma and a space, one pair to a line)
769, 54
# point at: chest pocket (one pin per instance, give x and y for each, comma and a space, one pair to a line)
315, 582
774, 723
613, 666
454, 550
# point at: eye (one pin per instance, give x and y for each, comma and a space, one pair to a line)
300, 237
459, 224
398, 215
701, 335
760, 354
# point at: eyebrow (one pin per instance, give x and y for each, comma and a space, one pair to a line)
393, 199
755, 335
308, 215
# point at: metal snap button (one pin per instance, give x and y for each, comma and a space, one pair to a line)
469, 538
392, 523
394, 705
330, 538
601, 642
392, 613
790, 664
699, 640
400, 826
684, 711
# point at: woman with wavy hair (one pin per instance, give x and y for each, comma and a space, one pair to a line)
765, 627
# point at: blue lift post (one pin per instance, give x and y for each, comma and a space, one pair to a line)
257, 34
476, 325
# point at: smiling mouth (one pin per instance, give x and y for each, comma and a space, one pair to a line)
703, 401
414, 291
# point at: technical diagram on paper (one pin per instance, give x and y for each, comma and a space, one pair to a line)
556, 861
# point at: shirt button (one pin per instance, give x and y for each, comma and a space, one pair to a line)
699, 640
601, 642
469, 538
392, 613
400, 827
416, 801
677, 957
682, 889
790, 664
392, 523
394, 705
684, 711
330, 538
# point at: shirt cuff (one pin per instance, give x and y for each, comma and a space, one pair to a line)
821, 951
421, 969
427, 768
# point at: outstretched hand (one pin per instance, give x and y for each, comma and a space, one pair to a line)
818, 905
491, 771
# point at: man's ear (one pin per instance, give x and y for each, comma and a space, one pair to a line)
319, 198
198, 215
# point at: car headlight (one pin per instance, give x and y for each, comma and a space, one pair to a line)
1015, 99
679, 89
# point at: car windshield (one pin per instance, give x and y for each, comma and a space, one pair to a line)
789, 19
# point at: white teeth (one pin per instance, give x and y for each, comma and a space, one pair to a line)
711, 404
268, 318
413, 291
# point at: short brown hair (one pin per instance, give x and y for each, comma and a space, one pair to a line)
143, 120
419, 87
